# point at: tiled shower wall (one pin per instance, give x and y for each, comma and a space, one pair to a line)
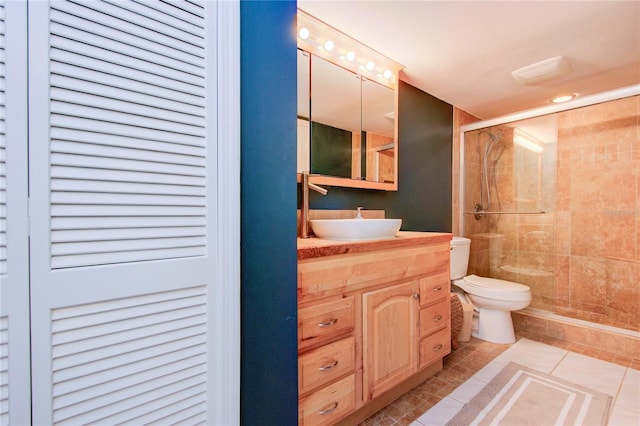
582, 258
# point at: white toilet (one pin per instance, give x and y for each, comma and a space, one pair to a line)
494, 299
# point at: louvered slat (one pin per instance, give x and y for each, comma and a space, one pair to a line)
104, 356
80, 173
111, 74
100, 161
145, 59
125, 234
143, 383
128, 130
125, 188
90, 126
122, 360
145, 145
97, 341
125, 118
164, 16
125, 256
101, 223
158, 25
98, 87
123, 32
129, 103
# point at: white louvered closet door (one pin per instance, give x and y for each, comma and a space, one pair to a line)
15, 402
123, 210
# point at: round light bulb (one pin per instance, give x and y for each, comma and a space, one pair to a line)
370, 65
351, 56
563, 98
387, 74
304, 33
328, 45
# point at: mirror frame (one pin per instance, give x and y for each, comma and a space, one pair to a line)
326, 32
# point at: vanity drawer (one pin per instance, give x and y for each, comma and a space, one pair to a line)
331, 275
434, 288
329, 404
322, 365
433, 318
323, 322
435, 346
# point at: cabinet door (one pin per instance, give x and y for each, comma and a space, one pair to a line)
390, 336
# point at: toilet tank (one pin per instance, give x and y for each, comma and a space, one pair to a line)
459, 257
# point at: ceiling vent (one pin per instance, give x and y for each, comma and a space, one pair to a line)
542, 71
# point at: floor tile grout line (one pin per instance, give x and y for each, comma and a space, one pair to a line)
566, 353
620, 385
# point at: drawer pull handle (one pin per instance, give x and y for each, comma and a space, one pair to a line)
328, 323
437, 288
437, 318
437, 347
328, 366
329, 410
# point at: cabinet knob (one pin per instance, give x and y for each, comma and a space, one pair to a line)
438, 288
437, 318
328, 323
437, 347
416, 296
328, 366
329, 410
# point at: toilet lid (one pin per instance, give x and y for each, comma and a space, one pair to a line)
495, 284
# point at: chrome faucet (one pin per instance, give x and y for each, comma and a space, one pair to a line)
304, 211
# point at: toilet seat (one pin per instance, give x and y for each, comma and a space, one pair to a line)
493, 288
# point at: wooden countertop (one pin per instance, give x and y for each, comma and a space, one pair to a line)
309, 248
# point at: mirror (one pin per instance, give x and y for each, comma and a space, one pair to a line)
335, 120
346, 126
378, 130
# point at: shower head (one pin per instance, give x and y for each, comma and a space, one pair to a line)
493, 136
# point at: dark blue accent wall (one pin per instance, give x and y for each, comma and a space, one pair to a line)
423, 199
268, 223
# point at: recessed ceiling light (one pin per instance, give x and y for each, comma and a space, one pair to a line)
564, 98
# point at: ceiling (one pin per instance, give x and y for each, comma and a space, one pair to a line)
463, 52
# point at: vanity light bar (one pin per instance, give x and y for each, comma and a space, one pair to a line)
323, 40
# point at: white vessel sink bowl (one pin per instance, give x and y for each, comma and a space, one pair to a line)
355, 229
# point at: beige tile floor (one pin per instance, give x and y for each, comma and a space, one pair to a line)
438, 398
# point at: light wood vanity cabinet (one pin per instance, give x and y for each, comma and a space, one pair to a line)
373, 322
